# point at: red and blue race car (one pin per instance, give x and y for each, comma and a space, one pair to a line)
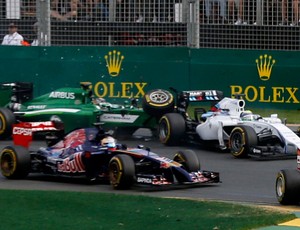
91, 153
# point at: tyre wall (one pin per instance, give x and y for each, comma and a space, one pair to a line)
267, 78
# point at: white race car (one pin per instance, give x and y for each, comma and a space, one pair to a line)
228, 125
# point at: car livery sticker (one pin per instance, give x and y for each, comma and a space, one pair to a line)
36, 107
144, 180
118, 118
71, 166
203, 95
22, 131
62, 95
49, 111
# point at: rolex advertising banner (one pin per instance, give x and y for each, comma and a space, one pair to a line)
265, 78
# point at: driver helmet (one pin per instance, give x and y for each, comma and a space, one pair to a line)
109, 142
247, 115
98, 100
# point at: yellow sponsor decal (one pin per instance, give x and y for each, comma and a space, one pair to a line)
114, 61
264, 93
264, 66
113, 89
122, 90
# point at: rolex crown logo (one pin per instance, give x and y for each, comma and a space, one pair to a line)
264, 66
113, 62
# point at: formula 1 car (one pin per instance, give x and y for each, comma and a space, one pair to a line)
229, 126
287, 185
91, 153
73, 108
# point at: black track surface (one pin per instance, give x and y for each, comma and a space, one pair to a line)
243, 180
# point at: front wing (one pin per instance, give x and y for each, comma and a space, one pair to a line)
199, 177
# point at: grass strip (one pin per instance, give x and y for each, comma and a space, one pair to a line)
82, 210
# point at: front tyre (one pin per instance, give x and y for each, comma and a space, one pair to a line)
188, 159
157, 102
121, 172
171, 129
288, 187
241, 140
15, 162
7, 119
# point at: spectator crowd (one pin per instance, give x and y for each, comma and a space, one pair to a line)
236, 12
125, 10
165, 12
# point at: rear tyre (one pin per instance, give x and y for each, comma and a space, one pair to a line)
288, 187
7, 119
171, 129
188, 159
157, 102
121, 172
241, 140
15, 162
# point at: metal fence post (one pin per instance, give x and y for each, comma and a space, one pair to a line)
184, 11
259, 20
193, 23
112, 10
44, 26
13, 9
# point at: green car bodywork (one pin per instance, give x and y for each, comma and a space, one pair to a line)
74, 107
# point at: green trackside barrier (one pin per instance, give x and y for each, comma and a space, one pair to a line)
267, 78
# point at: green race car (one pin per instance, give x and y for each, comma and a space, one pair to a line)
77, 108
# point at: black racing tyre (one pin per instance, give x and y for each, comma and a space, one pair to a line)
288, 187
188, 159
15, 162
157, 102
171, 129
241, 140
7, 119
121, 171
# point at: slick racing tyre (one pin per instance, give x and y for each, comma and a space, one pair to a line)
121, 172
241, 139
157, 102
188, 159
7, 119
288, 187
171, 128
15, 162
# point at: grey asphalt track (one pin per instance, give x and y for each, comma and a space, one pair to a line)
243, 180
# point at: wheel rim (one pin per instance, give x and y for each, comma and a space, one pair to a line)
159, 97
237, 142
2, 124
115, 173
163, 131
8, 164
181, 160
280, 186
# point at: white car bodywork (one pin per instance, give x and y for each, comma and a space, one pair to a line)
229, 114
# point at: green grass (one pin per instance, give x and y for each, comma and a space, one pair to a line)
80, 210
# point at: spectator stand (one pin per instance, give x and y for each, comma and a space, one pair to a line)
265, 24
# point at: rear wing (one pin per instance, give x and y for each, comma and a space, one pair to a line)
15, 92
23, 132
204, 95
